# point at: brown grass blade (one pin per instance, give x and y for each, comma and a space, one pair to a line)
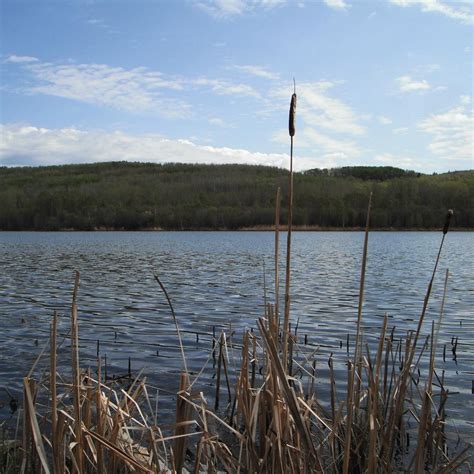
290, 396
35, 429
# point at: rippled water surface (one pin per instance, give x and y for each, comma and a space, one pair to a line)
216, 279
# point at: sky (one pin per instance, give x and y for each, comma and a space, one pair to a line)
379, 82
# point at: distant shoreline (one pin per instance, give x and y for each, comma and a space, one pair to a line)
253, 229
150, 197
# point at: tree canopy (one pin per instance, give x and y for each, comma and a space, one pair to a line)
123, 195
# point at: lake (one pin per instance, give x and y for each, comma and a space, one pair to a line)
216, 280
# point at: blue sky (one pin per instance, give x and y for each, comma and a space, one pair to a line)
379, 82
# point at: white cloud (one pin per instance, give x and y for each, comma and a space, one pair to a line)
316, 108
324, 124
465, 99
400, 130
342, 149
452, 134
384, 120
222, 87
229, 8
96, 22
29, 145
70, 145
404, 162
218, 122
258, 71
460, 10
135, 90
429, 68
281, 137
20, 59
223, 8
321, 110
321, 144
407, 84
337, 4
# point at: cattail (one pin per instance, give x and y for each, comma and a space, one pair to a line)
286, 320
448, 219
291, 122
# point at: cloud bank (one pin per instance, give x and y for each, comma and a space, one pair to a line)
29, 145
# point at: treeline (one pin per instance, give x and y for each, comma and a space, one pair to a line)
132, 196
379, 173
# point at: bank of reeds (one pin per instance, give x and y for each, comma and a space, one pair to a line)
388, 414
388, 418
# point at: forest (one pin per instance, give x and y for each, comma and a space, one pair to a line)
134, 196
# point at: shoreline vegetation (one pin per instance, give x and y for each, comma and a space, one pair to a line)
253, 229
146, 196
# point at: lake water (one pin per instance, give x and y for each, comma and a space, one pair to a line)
216, 279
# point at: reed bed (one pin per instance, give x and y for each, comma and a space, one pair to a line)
387, 414
391, 417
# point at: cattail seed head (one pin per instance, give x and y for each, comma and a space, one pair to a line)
448, 219
291, 122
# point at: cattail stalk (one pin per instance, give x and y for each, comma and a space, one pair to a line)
277, 253
78, 448
351, 396
449, 215
291, 129
52, 387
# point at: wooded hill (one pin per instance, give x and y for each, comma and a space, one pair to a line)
130, 196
